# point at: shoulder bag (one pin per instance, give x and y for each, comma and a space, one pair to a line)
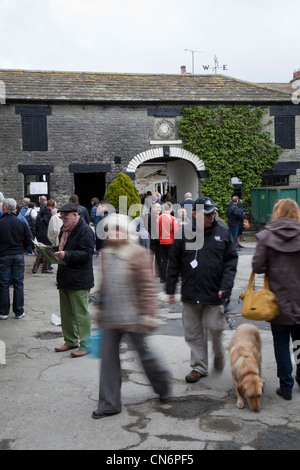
260, 305
246, 223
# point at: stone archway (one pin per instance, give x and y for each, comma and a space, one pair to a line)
158, 152
183, 173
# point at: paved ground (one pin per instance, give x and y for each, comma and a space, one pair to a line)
46, 398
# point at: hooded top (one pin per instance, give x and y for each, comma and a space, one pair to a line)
278, 254
281, 235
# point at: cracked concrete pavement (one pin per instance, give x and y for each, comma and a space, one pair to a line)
47, 398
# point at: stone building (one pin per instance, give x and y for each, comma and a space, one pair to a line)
64, 132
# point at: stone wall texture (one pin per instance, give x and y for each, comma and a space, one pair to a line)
90, 135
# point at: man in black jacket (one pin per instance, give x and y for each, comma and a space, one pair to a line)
15, 237
41, 225
235, 217
207, 268
82, 211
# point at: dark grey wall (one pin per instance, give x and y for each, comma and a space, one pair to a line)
98, 138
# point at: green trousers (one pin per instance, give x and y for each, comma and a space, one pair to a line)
75, 317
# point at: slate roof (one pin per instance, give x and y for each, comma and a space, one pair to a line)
45, 86
284, 87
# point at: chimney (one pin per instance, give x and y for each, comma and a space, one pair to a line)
296, 74
183, 69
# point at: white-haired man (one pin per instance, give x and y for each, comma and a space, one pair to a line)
187, 204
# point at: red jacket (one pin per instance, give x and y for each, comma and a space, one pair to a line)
167, 226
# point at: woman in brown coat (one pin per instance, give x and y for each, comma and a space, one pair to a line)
278, 254
128, 301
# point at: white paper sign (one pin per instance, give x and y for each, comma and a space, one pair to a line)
39, 188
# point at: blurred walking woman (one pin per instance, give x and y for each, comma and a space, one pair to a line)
129, 306
278, 254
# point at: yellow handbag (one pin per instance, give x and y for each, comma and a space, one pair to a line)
260, 305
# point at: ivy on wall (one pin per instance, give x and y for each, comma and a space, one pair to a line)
232, 143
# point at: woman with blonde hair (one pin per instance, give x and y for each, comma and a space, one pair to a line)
286, 208
278, 255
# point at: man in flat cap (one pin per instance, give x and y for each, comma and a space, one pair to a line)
75, 279
207, 269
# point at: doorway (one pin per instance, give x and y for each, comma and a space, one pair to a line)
89, 185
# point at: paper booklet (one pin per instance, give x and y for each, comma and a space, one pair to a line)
48, 252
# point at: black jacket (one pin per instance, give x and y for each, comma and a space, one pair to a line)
234, 214
15, 235
77, 273
216, 268
41, 224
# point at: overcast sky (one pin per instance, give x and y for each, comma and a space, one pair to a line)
258, 40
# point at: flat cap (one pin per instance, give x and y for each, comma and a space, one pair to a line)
69, 207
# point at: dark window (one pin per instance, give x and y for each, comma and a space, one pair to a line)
285, 131
31, 189
36, 180
34, 133
34, 127
275, 180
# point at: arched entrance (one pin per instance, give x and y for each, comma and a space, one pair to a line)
182, 168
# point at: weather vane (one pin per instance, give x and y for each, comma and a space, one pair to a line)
216, 66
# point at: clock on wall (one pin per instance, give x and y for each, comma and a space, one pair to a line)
165, 129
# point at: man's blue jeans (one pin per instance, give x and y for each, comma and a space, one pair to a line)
281, 340
234, 230
12, 272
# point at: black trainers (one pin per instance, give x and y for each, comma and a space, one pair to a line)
99, 414
20, 316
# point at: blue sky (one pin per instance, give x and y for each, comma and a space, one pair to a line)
257, 40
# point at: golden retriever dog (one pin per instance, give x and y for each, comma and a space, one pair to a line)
245, 360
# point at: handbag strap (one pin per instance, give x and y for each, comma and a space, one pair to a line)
266, 283
251, 284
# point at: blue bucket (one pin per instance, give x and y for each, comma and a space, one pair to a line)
95, 341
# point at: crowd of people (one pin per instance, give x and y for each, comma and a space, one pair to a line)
67, 230
185, 243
